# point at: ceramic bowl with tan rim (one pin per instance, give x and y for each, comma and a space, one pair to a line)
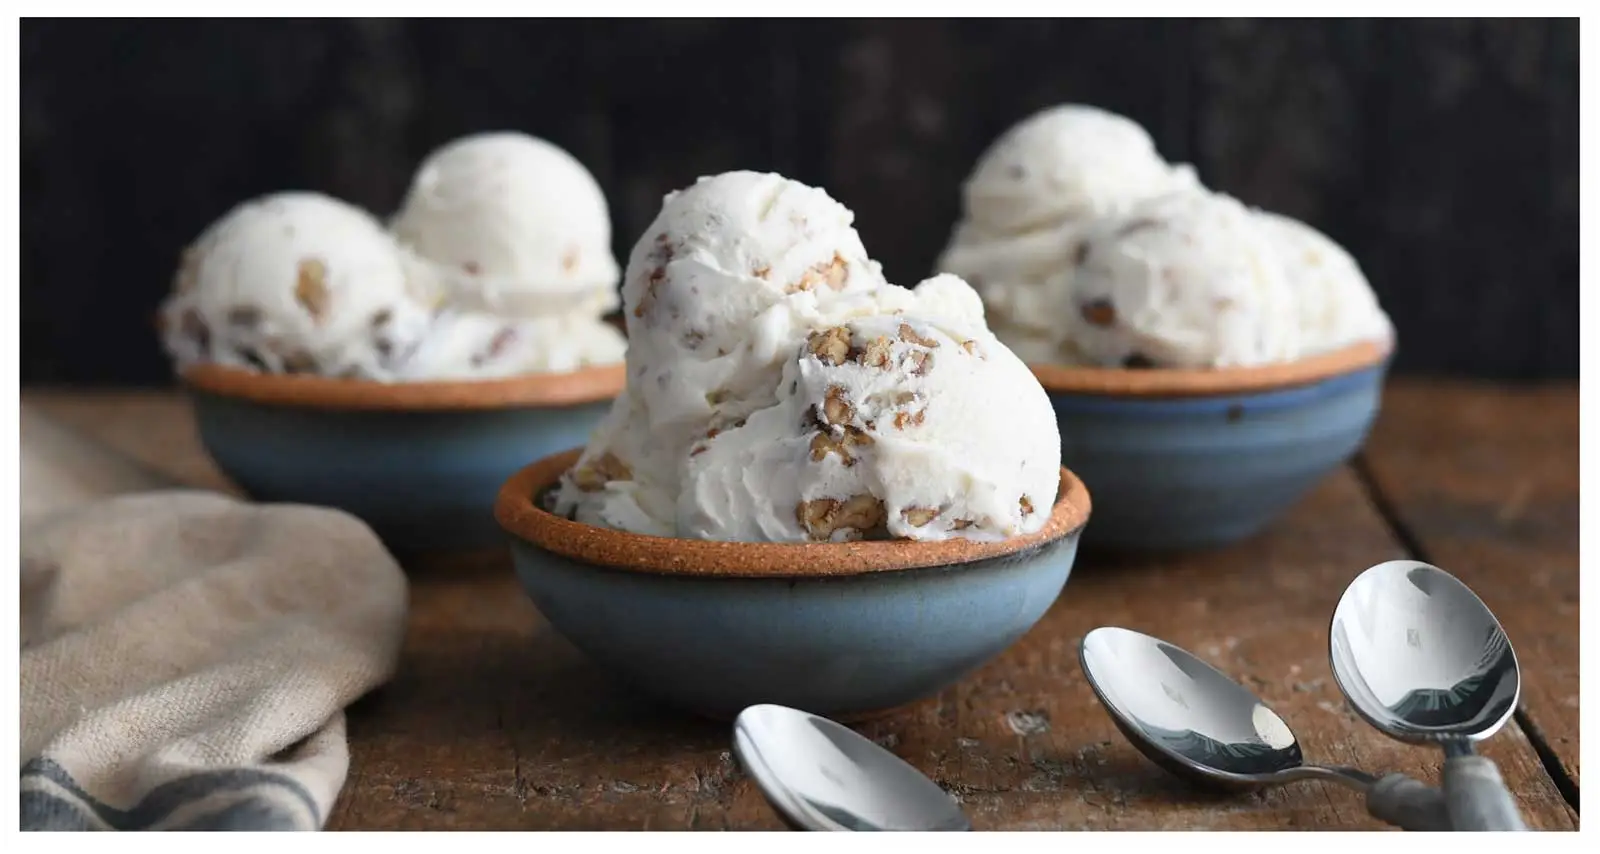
420, 462
847, 630
1184, 459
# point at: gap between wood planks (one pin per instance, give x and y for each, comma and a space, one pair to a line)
1413, 546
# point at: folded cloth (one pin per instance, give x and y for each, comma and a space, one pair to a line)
186, 656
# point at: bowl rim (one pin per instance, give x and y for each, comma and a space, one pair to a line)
590, 384
1205, 382
515, 510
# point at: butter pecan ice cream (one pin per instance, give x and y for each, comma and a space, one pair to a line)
1089, 248
1337, 307
299, 283
498, 265
780, 390
908, 423
1030, 199
1184, 281
517, 226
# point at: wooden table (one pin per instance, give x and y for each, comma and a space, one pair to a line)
495, 722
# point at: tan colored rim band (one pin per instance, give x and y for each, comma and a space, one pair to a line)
1161, 382
304, 391
517, 513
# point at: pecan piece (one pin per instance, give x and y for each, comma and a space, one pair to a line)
854, 518
823, 444
877, 353
299, 362
1098, 312
902, 420
648, 301
831, 273
830, 346
910, 336
597, 473
311, 288
836, 410
921, 363
497, 346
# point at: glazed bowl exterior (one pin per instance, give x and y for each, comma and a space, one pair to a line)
419, 462
846, 630
1197, 459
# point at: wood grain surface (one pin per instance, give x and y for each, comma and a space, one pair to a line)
495, 722
1484, 482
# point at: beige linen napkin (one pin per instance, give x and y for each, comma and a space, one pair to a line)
186, 656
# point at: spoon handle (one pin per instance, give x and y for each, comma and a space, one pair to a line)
1477, 796
1408, 803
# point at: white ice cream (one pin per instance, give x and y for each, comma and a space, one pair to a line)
517, 226
1030, 199
299, 283
1184, 281
1337, 307
499, 264
1090, 249
1070, 162
478, 345
885, 425
754, 314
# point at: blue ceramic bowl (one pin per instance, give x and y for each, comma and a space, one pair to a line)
1194, 459
418, 462
846, 630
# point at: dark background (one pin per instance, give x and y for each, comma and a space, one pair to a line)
1443, 154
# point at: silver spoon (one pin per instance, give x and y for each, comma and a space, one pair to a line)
820, 775
1191, 719
1420, 657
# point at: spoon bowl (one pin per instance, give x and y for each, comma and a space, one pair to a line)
1186, 715
1420, 657
1193, 720
822, 776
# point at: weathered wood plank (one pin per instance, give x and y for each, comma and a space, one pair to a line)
495, 722
1484, 481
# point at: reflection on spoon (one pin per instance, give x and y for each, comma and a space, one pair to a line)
820, 776
1191, 719
1420, 657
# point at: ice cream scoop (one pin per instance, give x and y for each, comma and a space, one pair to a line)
718, 293
299, 283
1090, 249
1068, 162
1337, 306
729, 247
780, 390
885, 426
478, 345
517, 226
1030, 200
1187, 280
